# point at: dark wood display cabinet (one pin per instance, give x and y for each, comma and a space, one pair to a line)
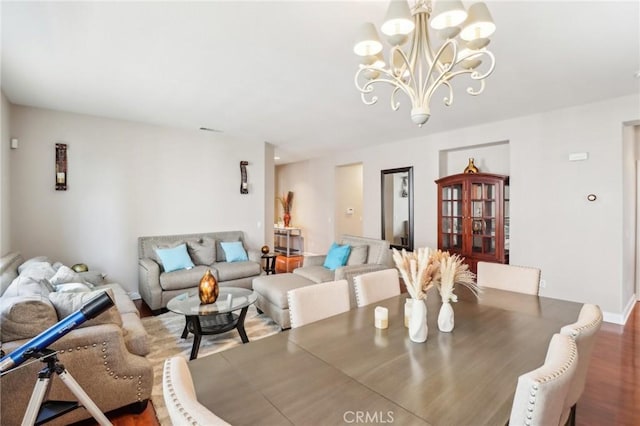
473, 217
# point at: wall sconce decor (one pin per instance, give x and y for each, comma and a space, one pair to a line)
61, 167
244, 186
404, 193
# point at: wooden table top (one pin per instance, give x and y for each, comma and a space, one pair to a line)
333, 370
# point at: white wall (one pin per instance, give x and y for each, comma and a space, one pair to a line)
577, 244
126, 180
312, 183
629, 214
5, 188
348, 196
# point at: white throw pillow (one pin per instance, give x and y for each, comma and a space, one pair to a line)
63, 275
72, 288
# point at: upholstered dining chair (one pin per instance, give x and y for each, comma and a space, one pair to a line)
540, 394
583, 332
521, 279
180, 396
315, 302
375, 286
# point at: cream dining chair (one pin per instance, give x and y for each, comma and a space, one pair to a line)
540, 394
315, 302
521, 279
583, 332
375, 286
180, 396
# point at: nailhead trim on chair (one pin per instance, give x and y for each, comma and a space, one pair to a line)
106, 365
549, 377
174, 399
593, 323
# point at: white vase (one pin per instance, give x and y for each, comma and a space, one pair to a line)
445, 317
418, 322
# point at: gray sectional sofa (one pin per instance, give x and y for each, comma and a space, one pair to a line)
105, 355
157, 287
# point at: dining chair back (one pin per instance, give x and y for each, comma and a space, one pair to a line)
375, 286
180, 396
583, 332
540, 394
315, 302
521, 279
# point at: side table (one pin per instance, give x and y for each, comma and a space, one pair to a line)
269, 263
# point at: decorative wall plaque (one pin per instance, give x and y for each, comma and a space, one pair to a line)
244, 185
61, 167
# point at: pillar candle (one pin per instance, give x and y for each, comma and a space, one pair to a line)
381, 317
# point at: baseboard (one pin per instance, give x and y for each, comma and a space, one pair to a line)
134, 295
622, 317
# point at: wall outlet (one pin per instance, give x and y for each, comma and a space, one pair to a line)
543, 283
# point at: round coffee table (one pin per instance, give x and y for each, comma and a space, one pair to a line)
214, 318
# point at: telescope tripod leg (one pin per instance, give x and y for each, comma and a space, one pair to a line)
40, 390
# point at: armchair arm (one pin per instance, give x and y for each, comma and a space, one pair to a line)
149, 282
314, 260
98, 360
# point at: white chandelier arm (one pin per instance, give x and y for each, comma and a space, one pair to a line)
436, 81
368, 88
394, 104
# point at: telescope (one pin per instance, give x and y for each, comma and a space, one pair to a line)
91, 309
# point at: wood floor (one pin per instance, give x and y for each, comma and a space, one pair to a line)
612, 392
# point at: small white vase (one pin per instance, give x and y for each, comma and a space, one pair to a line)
418, 322
445, 317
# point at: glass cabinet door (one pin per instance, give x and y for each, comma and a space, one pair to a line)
483, 217
451, 232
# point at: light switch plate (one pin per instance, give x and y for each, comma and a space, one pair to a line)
578, 156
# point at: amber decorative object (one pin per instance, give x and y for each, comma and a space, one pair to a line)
264, 249
208, 289
287, 219
471, 168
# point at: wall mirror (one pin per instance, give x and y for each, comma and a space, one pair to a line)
397, 207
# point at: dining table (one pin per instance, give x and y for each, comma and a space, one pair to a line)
344, 370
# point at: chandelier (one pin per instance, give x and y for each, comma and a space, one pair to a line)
422, 68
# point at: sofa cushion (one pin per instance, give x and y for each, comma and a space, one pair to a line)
235, 270
24, 285
202, 252
317, 274
64, 275
234, 251
184, 278
27, 263
67, 303
24, 317
337, 256
175, 258
358, 255
92, 278
72, 288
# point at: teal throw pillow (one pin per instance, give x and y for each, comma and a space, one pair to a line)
175, 258
337, 256
233, 251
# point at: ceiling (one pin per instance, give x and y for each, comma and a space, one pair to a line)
283, 72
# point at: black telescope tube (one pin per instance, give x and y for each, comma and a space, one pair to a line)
89, 310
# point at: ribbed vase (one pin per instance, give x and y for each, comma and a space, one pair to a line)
208, 289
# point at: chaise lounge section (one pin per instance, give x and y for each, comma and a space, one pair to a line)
367, 255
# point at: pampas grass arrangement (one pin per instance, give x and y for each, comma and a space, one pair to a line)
418, 270
453, 271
